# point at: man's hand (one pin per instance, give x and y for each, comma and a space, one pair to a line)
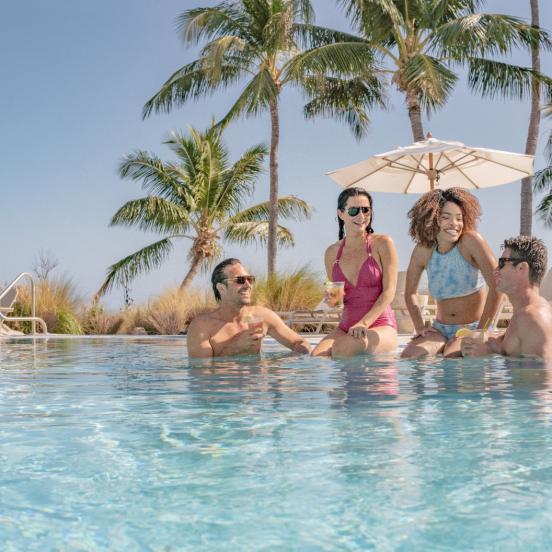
474, 347
302, 348
246, 341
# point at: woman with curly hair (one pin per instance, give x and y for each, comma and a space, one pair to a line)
367, 264
458, 262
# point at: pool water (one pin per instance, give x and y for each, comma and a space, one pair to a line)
116, 444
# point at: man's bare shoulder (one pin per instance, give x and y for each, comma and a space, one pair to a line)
203, 322
536, 313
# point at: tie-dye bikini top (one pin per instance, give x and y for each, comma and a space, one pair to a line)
450, 275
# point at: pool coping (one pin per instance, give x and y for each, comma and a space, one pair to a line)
312, 338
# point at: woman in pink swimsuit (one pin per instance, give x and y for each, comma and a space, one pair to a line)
367, 263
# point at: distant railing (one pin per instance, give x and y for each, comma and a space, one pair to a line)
33, 318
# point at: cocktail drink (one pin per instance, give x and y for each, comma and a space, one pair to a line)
253, 322
478, 334
334, 294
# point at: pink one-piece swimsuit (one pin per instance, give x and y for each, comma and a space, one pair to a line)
360, 299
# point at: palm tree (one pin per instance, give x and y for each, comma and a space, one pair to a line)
201, 198
526, 208
257, 40
417, 45
543, 180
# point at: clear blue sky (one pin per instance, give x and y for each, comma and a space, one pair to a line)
75, 78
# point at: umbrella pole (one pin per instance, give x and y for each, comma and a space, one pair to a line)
431, 173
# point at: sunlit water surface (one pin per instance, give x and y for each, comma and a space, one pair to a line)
112, 444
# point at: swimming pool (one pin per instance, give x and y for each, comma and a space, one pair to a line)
118, 444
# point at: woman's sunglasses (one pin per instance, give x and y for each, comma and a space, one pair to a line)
503, 260
240, 280
354, 211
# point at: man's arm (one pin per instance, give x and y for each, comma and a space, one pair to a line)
284, 334
199, 345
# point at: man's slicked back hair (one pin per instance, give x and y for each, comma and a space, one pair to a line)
219, 276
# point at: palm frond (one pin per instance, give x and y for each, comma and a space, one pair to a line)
313, 36
244, 233
431, 78
255, 98
380, 21
139, 262
544, 210
345, 58
152, 214
157, 177
483, 34
223, 19
193, 81
491, 78
238, 182
289, 207
347, 100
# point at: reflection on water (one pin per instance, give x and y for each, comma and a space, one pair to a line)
294, 452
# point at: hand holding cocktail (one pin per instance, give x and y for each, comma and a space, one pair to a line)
473, 341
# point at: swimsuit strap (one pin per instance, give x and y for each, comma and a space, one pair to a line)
369, 246
339, 251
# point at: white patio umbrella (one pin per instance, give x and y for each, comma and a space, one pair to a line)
434, 163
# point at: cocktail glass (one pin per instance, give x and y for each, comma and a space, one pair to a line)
254, 322
334, 294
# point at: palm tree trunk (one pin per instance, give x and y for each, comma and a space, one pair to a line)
526, 200
273, 206
194, 269
415, 116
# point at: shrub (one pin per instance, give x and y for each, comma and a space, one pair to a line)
171, 312
57, 302
300, 289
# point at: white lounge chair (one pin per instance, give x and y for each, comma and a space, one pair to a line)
311, 319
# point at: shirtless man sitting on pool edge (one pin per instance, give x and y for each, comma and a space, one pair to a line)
519, 273
236, 327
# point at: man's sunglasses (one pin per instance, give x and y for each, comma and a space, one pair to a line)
503, 260
240, 280
354, 211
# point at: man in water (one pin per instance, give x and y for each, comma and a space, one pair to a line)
236, 327
519, 274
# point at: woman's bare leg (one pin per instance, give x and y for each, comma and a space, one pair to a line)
382, 339
431, 344
324, 348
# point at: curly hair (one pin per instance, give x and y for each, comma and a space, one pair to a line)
533, 252
424, 216
342, 201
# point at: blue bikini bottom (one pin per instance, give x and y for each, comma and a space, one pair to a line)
449, 330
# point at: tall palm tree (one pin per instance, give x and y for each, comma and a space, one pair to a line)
200, 198
526, 208
418, 45
256, 41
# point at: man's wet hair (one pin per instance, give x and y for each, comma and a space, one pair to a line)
218, 276
533, 252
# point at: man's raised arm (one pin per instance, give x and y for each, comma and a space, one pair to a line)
284, 334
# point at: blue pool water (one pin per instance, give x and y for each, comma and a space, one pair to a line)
112, 444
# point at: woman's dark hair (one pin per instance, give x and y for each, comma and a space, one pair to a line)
342, 201
424, 215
